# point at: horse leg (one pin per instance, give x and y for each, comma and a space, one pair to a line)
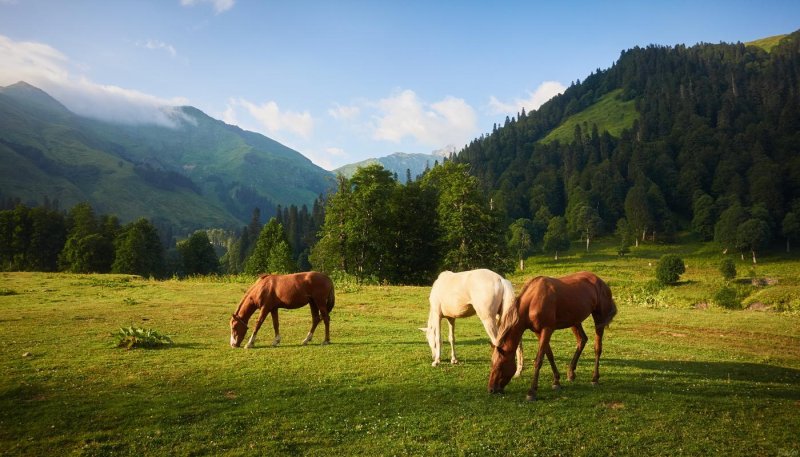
275, 326
326, 319
544, 344
519, 359
314, 322
598, 349
556, 374
261, 316
580, 337
451, 337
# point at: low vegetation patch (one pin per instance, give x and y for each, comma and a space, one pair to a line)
135, 337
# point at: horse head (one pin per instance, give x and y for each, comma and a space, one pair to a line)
238, 330
503, 369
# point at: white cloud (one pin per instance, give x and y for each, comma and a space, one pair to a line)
344, 112
537, 98
270, 117
159, 45
48, 69
220, 6
402, 115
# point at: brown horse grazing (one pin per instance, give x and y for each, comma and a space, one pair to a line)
271, 292
545, 305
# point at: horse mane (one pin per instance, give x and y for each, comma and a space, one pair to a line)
510, 315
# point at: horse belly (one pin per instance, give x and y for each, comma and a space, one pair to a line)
457, 309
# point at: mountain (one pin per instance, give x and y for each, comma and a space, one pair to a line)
199, 173
401, 162
702, 137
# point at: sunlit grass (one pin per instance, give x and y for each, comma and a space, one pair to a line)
675, 378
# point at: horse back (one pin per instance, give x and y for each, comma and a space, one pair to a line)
296, 290
558, 303
467, 293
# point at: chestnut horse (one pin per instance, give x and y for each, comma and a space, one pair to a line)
482, 292
271, 292
549, 304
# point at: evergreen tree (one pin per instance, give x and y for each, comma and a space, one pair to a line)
197, 255
270, 253
138, 250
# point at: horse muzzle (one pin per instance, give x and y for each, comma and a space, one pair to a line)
496, 390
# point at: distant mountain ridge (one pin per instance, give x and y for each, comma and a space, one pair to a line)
202, 173
401, 162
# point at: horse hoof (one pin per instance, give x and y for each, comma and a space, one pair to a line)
326, 342
454, 361
435, 363
556, 386
530, 397
595, 383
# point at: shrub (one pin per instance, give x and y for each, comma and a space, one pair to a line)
728, 269
130, 338
727, 297
670, 268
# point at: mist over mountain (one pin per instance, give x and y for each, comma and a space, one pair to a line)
192, 171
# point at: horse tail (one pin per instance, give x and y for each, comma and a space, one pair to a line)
610, 309
510, 310
331, 298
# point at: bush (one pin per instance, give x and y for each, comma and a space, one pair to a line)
728, 269
670, 268
131, 337
727, 297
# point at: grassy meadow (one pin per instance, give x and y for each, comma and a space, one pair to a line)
679, 374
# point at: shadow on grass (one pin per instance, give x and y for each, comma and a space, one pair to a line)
713, 371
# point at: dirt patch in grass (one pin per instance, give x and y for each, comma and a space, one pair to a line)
615, 405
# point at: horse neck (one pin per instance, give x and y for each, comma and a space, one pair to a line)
513, 337
246, 308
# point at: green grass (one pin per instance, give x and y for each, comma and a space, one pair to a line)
675, 379
766, 43
609, 114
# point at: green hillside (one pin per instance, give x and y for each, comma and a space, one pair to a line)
700, 138
610, 114
767, 43
203, 173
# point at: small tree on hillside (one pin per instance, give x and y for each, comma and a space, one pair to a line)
791, 228
669, 269
556, 238
625, 235
752, 235
728, 269
521, 242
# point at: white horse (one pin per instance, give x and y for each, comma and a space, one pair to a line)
482, 292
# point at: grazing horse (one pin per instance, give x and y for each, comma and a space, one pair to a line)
482, 292
292, 291
545, 305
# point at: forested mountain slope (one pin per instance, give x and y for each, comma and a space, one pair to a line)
199, 173
715, 135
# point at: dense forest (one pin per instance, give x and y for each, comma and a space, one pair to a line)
703, 139
715, 145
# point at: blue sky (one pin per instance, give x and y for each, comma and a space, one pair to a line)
341, 81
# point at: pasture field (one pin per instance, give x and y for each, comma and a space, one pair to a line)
679, 375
